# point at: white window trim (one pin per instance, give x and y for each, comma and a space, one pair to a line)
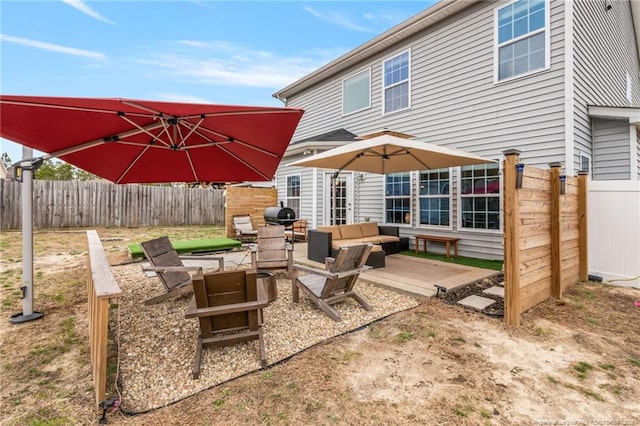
367, 70
588, 157
459, 226
286, 191
411, 201
384, 93
434, 227
496, 45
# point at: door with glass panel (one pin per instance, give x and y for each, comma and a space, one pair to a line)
338, 199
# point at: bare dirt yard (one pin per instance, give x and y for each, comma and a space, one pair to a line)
573, 361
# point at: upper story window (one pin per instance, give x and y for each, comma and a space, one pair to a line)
293, 193
522, 38
356, 92
396, 82
434, 196
398, 197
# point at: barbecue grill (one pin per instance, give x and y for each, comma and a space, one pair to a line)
279, 216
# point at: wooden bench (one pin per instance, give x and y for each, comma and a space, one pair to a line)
434, 238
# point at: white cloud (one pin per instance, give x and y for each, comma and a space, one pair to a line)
177, 97
340, 20
224, 63
84, 8
52, 47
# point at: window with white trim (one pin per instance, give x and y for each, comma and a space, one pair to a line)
434, 197
356, 92
522, 38
292, 198
398, 198
396, 82
480, 196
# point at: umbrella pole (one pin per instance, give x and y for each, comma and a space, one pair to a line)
27, 313
334, 179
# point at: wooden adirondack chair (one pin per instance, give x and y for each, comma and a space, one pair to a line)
327, 287
229, 311
272, 250
244, 228
168, 266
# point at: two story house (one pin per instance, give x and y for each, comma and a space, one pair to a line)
558, 80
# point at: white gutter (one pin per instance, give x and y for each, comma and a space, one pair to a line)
430, 16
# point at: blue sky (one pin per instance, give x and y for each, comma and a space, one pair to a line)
228, 52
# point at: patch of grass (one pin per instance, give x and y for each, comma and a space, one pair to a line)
607, 366
267, 375
582, 368
431, 333
592, 321
459, 339
485, 414
477, 345
585, 391
334, 418
219, 402
495, 265
541, 332
348, 356
405, 336
462, 410
634, 361
553, 380
374, 333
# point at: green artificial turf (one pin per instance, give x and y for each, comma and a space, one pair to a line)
461, 260
192, 246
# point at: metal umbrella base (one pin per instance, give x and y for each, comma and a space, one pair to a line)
19, 318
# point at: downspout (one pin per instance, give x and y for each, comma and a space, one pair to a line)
569, 106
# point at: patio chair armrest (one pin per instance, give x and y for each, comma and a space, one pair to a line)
194, 312
172, 268
315, 271
220, 259
389, 230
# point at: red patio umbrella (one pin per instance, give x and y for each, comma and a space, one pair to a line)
135, 141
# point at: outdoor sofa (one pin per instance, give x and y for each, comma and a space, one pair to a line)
325, 241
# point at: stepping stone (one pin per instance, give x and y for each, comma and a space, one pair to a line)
476, 302
495, 291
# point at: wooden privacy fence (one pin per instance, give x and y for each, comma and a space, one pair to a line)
248, 200
545, 235
76, 204
102, 288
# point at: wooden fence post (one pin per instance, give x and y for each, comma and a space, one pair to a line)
583, 243
556, 267
511, 240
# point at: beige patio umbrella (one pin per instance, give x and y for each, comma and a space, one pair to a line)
385, 152
389, 154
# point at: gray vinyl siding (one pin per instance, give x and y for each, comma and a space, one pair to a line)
611, 151
454, 102
604, 52
306, 186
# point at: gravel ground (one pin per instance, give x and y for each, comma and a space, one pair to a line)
157, 344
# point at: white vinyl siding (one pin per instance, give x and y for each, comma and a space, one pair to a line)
356, 92
522, 41
396, 72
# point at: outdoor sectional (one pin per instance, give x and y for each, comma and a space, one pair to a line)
326, 240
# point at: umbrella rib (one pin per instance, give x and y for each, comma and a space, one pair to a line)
418, 160
145, 130
238, 141
192, 130
193, 169
100, 141
124, 173
71, 108
244, 162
